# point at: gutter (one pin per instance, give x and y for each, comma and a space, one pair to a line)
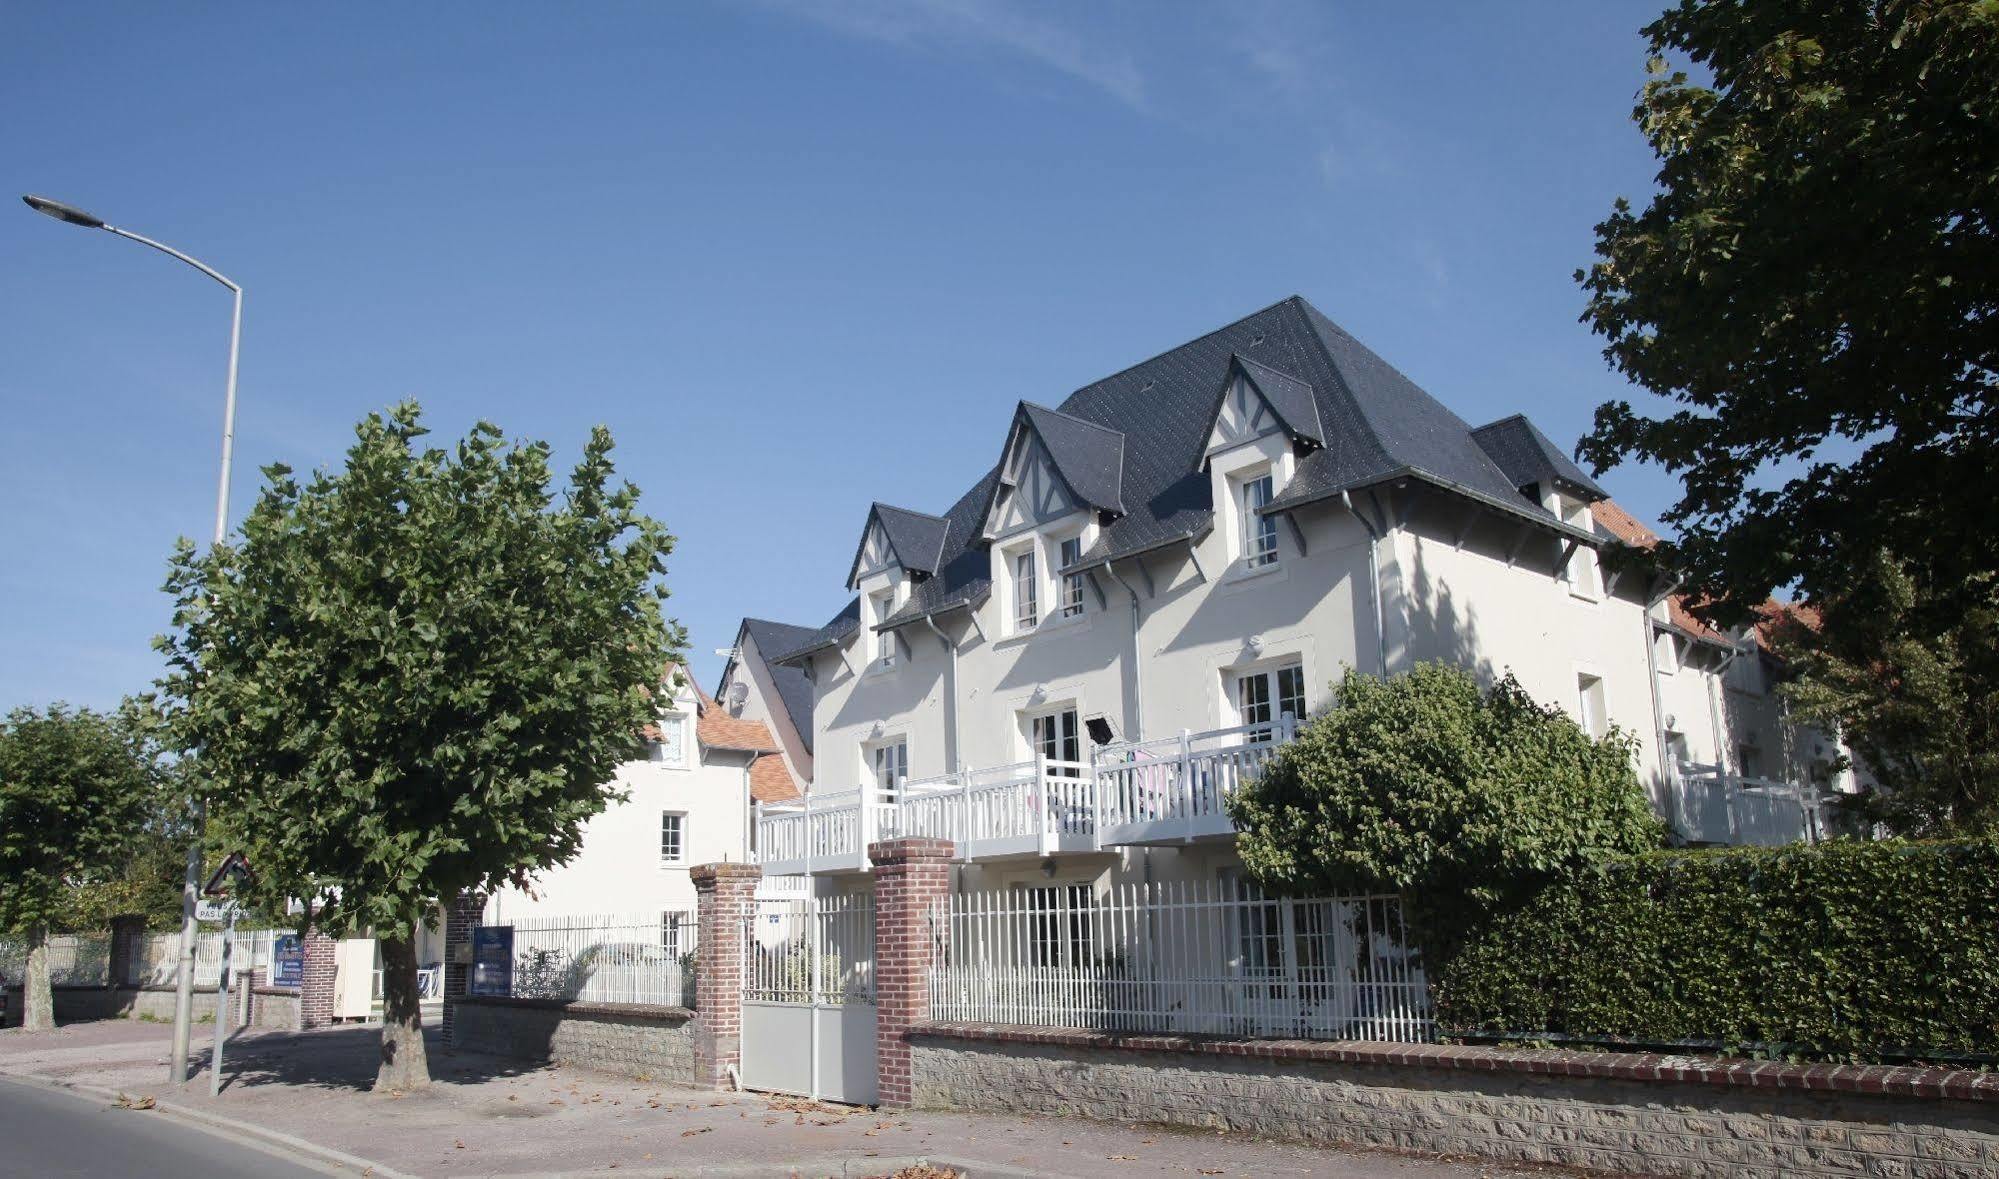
1652, 676
1373, 580
951, 693
1137, 676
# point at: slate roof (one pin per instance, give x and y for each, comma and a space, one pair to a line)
794, 691
915, 538
1089, 456
1526, 455
1376, 423
844, 623
1291, 399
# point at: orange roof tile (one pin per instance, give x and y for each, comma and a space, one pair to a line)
770, 781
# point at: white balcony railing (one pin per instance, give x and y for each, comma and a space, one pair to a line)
1705, 805
1147, 792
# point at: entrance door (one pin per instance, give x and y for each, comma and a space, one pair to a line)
809, 998
1267, 695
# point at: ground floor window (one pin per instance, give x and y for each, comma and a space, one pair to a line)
672, 837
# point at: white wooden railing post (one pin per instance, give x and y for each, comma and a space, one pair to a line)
1187, 785
964, 815
1038, 800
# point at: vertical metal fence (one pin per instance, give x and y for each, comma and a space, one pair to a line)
153, 959
1212, 959
811, 950
607, 958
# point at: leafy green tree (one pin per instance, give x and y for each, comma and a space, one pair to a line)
414, 677
1815, 288
1428, 785
74, 790
1917, 706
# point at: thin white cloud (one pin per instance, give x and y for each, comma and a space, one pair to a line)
992, 25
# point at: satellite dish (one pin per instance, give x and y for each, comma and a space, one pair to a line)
738, 693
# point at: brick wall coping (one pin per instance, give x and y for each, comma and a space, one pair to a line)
291, 991
896, 851
1929, 1084
725, 870
73, 988
652, 1011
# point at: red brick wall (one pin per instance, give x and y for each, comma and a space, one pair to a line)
315, 992
725, 895
459, 921
912, 877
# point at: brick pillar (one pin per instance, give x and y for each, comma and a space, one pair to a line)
724, 895
315, 989
125, 935
912, 878
460, 920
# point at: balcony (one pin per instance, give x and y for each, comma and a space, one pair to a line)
1169, 791
1705, 805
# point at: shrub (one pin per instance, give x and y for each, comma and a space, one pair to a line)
1848, 951
1427, 784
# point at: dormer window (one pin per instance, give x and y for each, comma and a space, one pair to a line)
1259, 532
887, 645
670, 749
1026, 584
1072, 583
1580, 574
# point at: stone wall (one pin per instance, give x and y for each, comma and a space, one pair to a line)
275, 1007
627, 1038
1604, 1111
79, 1004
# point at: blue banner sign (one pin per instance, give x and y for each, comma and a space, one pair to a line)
287, 961
493, 960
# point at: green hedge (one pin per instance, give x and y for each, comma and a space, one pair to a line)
1845, 951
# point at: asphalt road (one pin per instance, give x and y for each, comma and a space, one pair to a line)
50, 1134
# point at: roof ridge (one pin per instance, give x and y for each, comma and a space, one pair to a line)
1163, 352
1371, 437
1512, 417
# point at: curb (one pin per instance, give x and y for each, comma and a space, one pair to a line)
827, 1167
273, 1142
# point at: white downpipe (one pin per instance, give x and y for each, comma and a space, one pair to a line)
1373, 582
951, 690
1137, 677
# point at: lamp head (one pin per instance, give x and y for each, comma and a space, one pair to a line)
62, 212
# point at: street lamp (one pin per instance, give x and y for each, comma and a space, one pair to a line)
191, 884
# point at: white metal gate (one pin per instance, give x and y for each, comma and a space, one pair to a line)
809, 998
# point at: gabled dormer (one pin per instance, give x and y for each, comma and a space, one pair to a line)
898, 538
1256, 401
1053, 465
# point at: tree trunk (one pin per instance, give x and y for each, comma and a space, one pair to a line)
38, 1004
403, 1063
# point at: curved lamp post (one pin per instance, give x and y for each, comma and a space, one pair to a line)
184, 992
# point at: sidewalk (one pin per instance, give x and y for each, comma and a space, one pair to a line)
488, 1116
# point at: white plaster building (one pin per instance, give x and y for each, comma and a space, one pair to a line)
689, 802
1068, 670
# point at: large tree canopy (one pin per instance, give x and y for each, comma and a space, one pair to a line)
1814, 285
415, 676
75, 788
1427, 784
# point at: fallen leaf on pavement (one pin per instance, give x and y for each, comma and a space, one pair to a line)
125, 1102
692, 1133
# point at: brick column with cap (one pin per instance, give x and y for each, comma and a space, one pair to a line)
724, 896
460, 920
912, 878
315, 988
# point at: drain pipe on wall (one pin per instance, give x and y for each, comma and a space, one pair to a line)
951, 691
1137, 678
1373, 582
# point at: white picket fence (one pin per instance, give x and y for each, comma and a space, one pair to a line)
154, 960
1212, 959
607, 958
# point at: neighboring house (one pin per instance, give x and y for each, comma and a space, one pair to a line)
1068, 670
689, 803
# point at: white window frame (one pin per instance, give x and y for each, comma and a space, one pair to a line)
1032, 722
1070, 604
1666, 651
1580, 573
887, 645
1023, 588
1272, 675
873, 752
678, 856
1592, 714
1259, 545
658, 752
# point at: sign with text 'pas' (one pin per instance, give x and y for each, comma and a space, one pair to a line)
493, 960
216, 910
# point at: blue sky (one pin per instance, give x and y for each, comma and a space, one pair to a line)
797, 258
